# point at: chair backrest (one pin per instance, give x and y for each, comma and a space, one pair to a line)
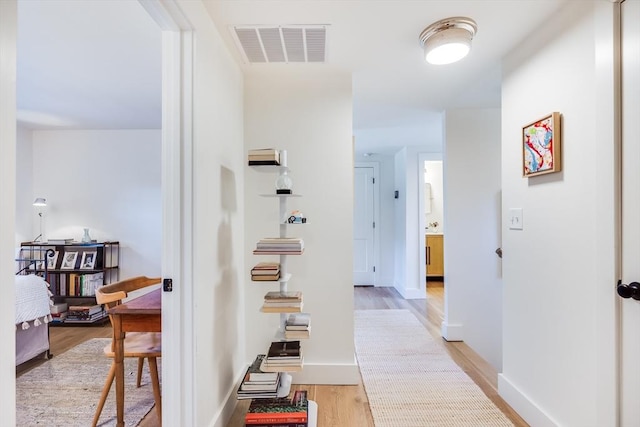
112, 294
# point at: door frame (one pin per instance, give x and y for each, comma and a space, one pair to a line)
376, 214
178, 325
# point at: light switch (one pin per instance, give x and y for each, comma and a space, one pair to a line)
515, 219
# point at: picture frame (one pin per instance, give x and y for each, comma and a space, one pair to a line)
542, 146
69, 260
52, 259
88, 260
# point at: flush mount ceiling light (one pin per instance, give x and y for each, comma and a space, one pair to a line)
448, 40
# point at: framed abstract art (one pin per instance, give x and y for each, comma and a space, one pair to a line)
541, 146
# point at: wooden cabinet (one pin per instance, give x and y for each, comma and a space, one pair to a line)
434, 254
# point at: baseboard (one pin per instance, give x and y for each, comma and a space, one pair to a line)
412, 293
451, 332
523, 405
333, 374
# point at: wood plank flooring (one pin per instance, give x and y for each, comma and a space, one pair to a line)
340, 406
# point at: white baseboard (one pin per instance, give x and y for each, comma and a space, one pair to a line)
412, 293
451, 332
524, 406
344, 374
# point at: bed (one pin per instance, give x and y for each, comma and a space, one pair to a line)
33, 314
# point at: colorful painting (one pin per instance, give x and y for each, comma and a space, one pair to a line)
541, 146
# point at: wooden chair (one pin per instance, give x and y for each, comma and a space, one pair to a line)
141, 345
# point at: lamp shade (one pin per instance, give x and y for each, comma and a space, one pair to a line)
40, 202
448, 40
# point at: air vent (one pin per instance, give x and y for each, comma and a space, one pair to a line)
278, 44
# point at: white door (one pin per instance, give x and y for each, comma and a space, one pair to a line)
630, 308
363, 226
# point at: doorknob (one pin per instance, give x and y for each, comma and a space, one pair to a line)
632, 290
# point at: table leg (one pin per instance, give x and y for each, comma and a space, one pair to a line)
119, 362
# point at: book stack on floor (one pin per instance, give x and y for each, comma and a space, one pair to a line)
280, 412
282, 302
84, 313
269, 271
257, 383
264, 156
297, 326
279, 245
283, 356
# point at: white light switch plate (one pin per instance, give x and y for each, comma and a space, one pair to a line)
515, 219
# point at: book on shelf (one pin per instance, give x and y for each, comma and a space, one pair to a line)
86, 309
277, 252
283, 296
265, 272
279, 410
274, 304
278, 425
59, 241
255, 374
297, 335
298, 322
265, 278
263, 151
266, 266
284, 349
283, 309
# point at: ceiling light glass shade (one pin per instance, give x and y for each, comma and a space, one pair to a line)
448, 40
40, 202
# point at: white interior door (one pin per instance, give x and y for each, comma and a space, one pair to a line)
630, 328
363, 226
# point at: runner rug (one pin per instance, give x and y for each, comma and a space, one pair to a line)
411, 381
64, 391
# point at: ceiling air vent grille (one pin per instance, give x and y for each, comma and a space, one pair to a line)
282, 44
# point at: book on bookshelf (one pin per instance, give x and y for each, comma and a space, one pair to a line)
269, 266
283, 296
279, 410
254, 373
297, 335
265, 278
298, 322
59, 241
292, 304
279, 425
284, 349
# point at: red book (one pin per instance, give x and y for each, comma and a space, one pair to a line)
278, 411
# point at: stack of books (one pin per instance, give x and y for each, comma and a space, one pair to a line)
297, 326
84, 313
264, 156
283, 356
279, 245
282, 412
282, 302
269, 271
258, 384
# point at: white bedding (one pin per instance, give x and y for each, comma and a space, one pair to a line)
32, 300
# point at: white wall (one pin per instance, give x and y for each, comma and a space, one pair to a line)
24, 188
218, 221
400, 214
559, 275
310, 118
108, 181
473, 290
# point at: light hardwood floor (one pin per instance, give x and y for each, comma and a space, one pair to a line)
340, 406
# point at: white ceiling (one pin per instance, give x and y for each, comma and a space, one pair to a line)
96, 64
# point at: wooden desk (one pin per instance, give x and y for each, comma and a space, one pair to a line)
142, 314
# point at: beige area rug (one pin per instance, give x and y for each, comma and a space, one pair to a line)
64, 391
410, 379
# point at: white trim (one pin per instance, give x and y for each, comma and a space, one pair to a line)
8, 53
524, 406
332, 374
452, 332
376, 214
178, 391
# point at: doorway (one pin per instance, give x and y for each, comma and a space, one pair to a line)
365, 231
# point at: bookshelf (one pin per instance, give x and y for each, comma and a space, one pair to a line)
284, 247
74, 271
